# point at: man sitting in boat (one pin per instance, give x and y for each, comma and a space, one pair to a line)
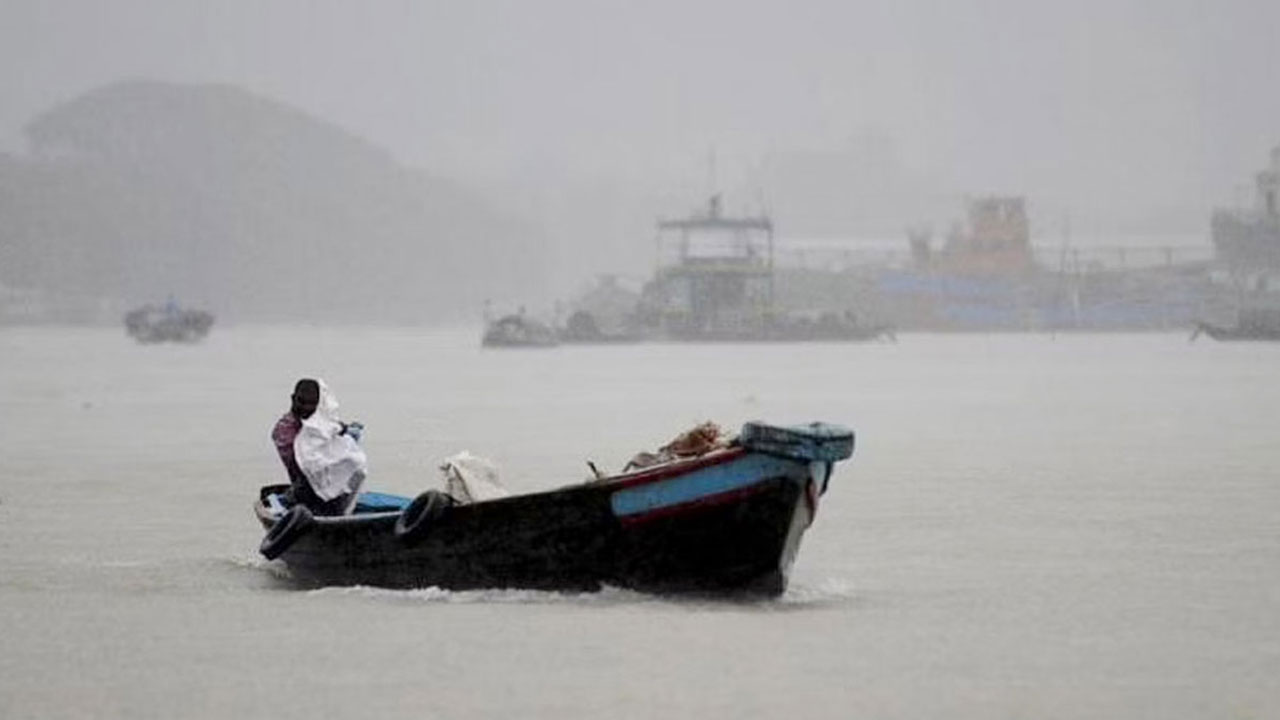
325, 465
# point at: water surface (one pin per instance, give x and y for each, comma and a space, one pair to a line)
1031, 526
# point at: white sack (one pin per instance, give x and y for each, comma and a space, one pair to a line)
334, 464
471, 479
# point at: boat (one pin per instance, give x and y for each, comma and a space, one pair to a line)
1251, 324
518, 330
726, 521
168, 323
582, 328
716, 282
604, 313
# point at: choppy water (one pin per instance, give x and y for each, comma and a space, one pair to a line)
1031, 527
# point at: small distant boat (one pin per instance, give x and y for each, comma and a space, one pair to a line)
727, 521
518, 331
154, 324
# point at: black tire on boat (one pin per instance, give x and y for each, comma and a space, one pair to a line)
286, 531
417, 520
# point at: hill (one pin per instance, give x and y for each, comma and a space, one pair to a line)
249, 207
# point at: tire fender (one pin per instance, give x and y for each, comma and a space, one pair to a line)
416, 521
286, 531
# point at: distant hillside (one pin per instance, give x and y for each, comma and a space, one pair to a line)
249, 207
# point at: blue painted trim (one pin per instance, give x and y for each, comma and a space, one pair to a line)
734, 475
367, 502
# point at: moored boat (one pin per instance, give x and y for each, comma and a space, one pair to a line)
153, 324
727, 521
1252, 324
716, 283
518, 331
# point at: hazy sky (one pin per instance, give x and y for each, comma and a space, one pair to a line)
1158, 104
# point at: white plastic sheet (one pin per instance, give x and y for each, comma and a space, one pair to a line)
333, 462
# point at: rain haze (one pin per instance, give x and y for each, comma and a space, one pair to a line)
563, 236
578, 123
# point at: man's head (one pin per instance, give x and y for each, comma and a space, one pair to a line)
306, 396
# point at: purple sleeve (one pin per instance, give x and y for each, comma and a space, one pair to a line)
282, 435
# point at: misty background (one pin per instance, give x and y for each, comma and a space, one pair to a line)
404, 162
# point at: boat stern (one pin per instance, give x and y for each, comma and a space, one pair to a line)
729, 520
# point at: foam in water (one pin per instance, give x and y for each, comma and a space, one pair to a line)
826, 593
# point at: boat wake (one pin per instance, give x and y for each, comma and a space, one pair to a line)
823, 593
827, 593
151, 574
241, 571
435, 595
257, 563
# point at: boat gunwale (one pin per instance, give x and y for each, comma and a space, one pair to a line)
623, 481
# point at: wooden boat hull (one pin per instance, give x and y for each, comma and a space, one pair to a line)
731, 521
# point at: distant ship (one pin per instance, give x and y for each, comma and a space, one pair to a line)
1247, 240
715, 282
1246, 243
986, 277
1255, 323
997, 242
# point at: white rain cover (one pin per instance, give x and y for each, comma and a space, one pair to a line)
469, 478
334, 464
